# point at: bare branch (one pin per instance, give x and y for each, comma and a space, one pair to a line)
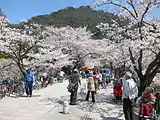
140, 61
133, 7
153, 64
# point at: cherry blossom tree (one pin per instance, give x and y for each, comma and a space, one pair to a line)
9, 70
49, 47
16, 44
68, 46
139, 39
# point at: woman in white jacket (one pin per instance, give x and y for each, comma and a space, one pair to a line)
130, 92
90, 87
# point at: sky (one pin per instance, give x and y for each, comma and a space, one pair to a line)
17, 10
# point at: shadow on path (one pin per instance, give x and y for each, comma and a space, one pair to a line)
110, 118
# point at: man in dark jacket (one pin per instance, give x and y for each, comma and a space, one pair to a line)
74, 79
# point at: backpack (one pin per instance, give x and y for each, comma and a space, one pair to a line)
70, 87
146, 110
89, 85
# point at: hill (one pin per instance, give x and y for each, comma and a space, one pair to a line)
76, 17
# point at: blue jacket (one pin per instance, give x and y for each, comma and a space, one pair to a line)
29, 76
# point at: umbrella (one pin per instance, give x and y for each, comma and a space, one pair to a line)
86, 68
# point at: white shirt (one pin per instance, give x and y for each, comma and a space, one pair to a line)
100, 76
61, 73
130, 89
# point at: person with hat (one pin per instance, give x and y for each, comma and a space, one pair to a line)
74, 79
91, 87
130, 92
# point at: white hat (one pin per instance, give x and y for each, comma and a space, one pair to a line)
128, 74
75, 70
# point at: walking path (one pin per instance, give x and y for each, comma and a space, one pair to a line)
46, 104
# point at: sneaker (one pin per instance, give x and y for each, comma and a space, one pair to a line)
72, 104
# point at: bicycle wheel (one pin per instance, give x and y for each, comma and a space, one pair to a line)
3, 90
20, 91
9, 91
1, 95
37, 85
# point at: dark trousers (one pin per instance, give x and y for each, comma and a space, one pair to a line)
93, 95
73, 96
118, 98
28, 87
128, 109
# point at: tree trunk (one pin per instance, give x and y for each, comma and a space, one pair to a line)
21, 68
141, 87
145, 81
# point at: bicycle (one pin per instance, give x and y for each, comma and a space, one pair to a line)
2, 91
15, 87
37, 85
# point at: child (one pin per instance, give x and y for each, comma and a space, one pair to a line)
117, 90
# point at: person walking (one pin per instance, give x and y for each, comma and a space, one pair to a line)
28, 80
130, 92
108, 74
91, 87
104, 79
74, 79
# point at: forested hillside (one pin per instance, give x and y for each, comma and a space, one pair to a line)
76, 17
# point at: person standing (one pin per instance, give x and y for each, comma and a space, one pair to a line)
130, 92
74, 79
28, 80
91, 87
61, 76
100, 79
96, 78
83, 73
117, 90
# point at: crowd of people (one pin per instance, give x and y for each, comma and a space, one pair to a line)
125, 90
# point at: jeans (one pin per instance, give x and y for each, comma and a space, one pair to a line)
128, 109
104, 84
28, 87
